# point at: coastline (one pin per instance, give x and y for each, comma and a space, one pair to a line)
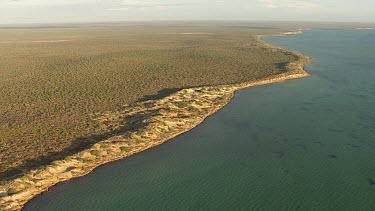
160, 120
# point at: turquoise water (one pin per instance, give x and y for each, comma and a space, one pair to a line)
306, 144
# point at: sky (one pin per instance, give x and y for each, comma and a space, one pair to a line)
66, 11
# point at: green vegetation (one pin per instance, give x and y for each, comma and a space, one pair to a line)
11, 191
82, 160
181, 104
50, 90
95, 152
123, 149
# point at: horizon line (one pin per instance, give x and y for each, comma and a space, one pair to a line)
178, 20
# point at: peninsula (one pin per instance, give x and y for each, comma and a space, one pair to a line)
139, 126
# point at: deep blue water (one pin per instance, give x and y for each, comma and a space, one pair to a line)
306, 144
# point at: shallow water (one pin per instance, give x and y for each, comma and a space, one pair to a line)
305, 144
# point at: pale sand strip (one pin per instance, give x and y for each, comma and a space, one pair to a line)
363, 28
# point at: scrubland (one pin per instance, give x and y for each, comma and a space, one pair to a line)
55, 80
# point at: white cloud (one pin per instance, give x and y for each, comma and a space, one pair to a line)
291, 4
140, 4
111, 5
126, 4
45, 2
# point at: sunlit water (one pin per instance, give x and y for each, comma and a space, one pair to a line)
305, 144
